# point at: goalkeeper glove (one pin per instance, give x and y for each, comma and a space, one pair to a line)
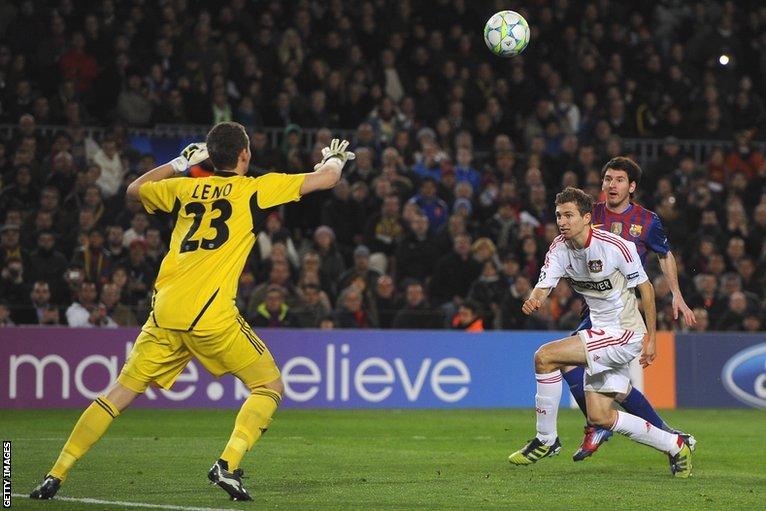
193, 154
336, 149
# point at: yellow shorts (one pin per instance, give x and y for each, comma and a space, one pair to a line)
160, 355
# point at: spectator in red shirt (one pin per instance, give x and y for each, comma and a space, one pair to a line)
78, 65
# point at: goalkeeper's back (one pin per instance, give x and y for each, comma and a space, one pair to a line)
217, 219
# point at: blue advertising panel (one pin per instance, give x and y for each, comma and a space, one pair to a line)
721, 370
61, 367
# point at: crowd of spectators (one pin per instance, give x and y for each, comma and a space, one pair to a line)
444, 217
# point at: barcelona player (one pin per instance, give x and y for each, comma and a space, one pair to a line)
193, 311
619, 215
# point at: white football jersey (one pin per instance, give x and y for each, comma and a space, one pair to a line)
605, 271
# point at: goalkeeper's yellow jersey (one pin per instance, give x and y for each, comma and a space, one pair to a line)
217, 220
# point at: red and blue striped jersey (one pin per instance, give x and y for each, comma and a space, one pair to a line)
636, 224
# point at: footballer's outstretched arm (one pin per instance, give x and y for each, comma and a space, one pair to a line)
328, 171
646, 290
325, 177
132, 197
535, 300
670, 270
191, 155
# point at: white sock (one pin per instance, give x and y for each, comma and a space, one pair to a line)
642, 432
547, 405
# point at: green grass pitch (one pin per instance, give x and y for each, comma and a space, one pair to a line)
389, 459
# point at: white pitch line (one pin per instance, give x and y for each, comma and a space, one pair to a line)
133, 504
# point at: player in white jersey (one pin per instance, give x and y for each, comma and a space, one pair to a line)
604, 268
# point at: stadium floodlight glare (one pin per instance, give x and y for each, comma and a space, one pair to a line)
723, 59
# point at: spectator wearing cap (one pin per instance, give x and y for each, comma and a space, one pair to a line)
361, 268
332, 264
430, 204
273, 312
463, 207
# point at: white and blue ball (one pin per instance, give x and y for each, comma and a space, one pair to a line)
506, 33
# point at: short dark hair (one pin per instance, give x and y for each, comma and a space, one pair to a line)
473, 306
582, 200
625, 164
224, 143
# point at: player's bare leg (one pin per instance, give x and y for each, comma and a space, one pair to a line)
601, 414
91, 426
252, 421
549, 359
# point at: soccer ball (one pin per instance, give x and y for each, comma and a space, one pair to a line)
506, 33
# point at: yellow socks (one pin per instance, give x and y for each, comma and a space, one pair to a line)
252, 421
93, 423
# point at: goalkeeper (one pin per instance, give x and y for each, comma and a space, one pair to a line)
193, 311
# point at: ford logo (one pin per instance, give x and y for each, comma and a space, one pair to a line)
744, 376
